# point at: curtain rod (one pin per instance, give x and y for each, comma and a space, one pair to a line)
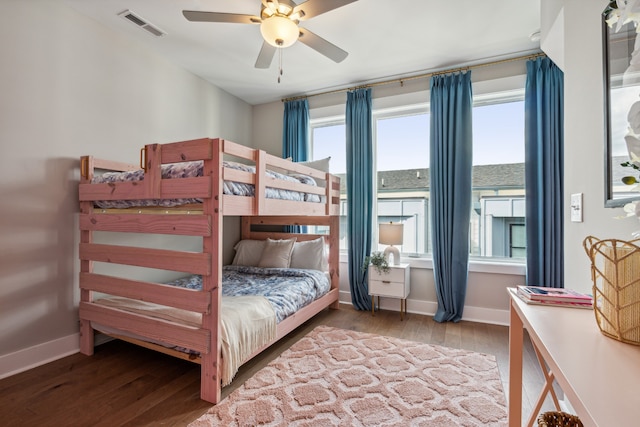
401, 80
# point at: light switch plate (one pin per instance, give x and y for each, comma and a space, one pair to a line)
576, 207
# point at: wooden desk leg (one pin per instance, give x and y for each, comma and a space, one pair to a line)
403, 305
516, 338
373, 305
548, 388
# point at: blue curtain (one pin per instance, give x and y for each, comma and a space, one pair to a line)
544, 159
450, 167
359, 192
295, 139
295, 131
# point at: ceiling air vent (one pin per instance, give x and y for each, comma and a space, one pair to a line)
140, 22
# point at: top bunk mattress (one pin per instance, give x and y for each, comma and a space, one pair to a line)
195, 169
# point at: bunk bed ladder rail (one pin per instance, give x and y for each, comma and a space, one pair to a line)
207, 263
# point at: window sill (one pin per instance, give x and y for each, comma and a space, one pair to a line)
490, 266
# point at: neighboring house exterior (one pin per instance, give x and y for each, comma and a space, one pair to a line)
497, 217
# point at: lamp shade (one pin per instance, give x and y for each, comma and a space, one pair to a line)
390, 234
279, 31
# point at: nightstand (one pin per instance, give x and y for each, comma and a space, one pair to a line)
394, 284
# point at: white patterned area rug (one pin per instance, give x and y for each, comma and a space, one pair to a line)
337, 377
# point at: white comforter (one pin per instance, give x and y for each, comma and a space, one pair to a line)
247, 324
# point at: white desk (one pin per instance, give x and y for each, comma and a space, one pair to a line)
599, 375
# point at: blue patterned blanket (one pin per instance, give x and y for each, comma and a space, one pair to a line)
195, 169
286, 289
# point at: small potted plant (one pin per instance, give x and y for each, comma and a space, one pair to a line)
378, 261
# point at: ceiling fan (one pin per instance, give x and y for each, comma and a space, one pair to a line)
279, 26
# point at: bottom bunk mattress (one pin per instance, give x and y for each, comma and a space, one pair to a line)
287, 289
254, 300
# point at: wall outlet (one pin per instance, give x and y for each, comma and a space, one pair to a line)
576, 207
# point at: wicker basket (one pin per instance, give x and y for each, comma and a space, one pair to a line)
615, 271
558, 419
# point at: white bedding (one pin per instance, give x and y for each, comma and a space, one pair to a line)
248, 323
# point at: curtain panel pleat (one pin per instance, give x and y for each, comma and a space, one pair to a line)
295, 139
450, 191
359, 192
295, 130
544, 163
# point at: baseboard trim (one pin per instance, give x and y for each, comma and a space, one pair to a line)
32, 357
428, 308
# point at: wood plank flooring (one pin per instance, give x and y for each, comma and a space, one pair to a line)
126, 385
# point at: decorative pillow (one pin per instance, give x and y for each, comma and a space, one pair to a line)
277, 253
310, 255
248, 252
321, 164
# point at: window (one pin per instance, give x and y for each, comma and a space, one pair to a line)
401, 192
402, 161
401, 153
517, 239
328, 139
498, 177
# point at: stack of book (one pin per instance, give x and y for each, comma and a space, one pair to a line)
554, 296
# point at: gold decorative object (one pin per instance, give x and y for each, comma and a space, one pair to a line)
558, 419
615, 271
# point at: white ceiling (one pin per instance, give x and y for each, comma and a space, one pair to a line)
385, 39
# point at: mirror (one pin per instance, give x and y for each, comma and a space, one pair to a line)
622, 111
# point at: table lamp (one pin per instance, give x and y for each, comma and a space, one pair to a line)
391, 234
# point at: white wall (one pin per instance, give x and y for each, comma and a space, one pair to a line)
584, 139
70, 87
552, 30
267, 127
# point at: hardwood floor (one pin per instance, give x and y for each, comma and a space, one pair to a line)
126, 385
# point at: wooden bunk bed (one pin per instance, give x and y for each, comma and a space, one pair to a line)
204, 220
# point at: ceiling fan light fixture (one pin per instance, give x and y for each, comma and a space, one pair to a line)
284, 9
266, 12
297, 15
279, 31
272, 7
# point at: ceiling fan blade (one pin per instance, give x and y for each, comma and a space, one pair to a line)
234, 18
313, 8
326, 48
265, 56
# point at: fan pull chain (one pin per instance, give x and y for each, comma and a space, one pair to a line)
279, 64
